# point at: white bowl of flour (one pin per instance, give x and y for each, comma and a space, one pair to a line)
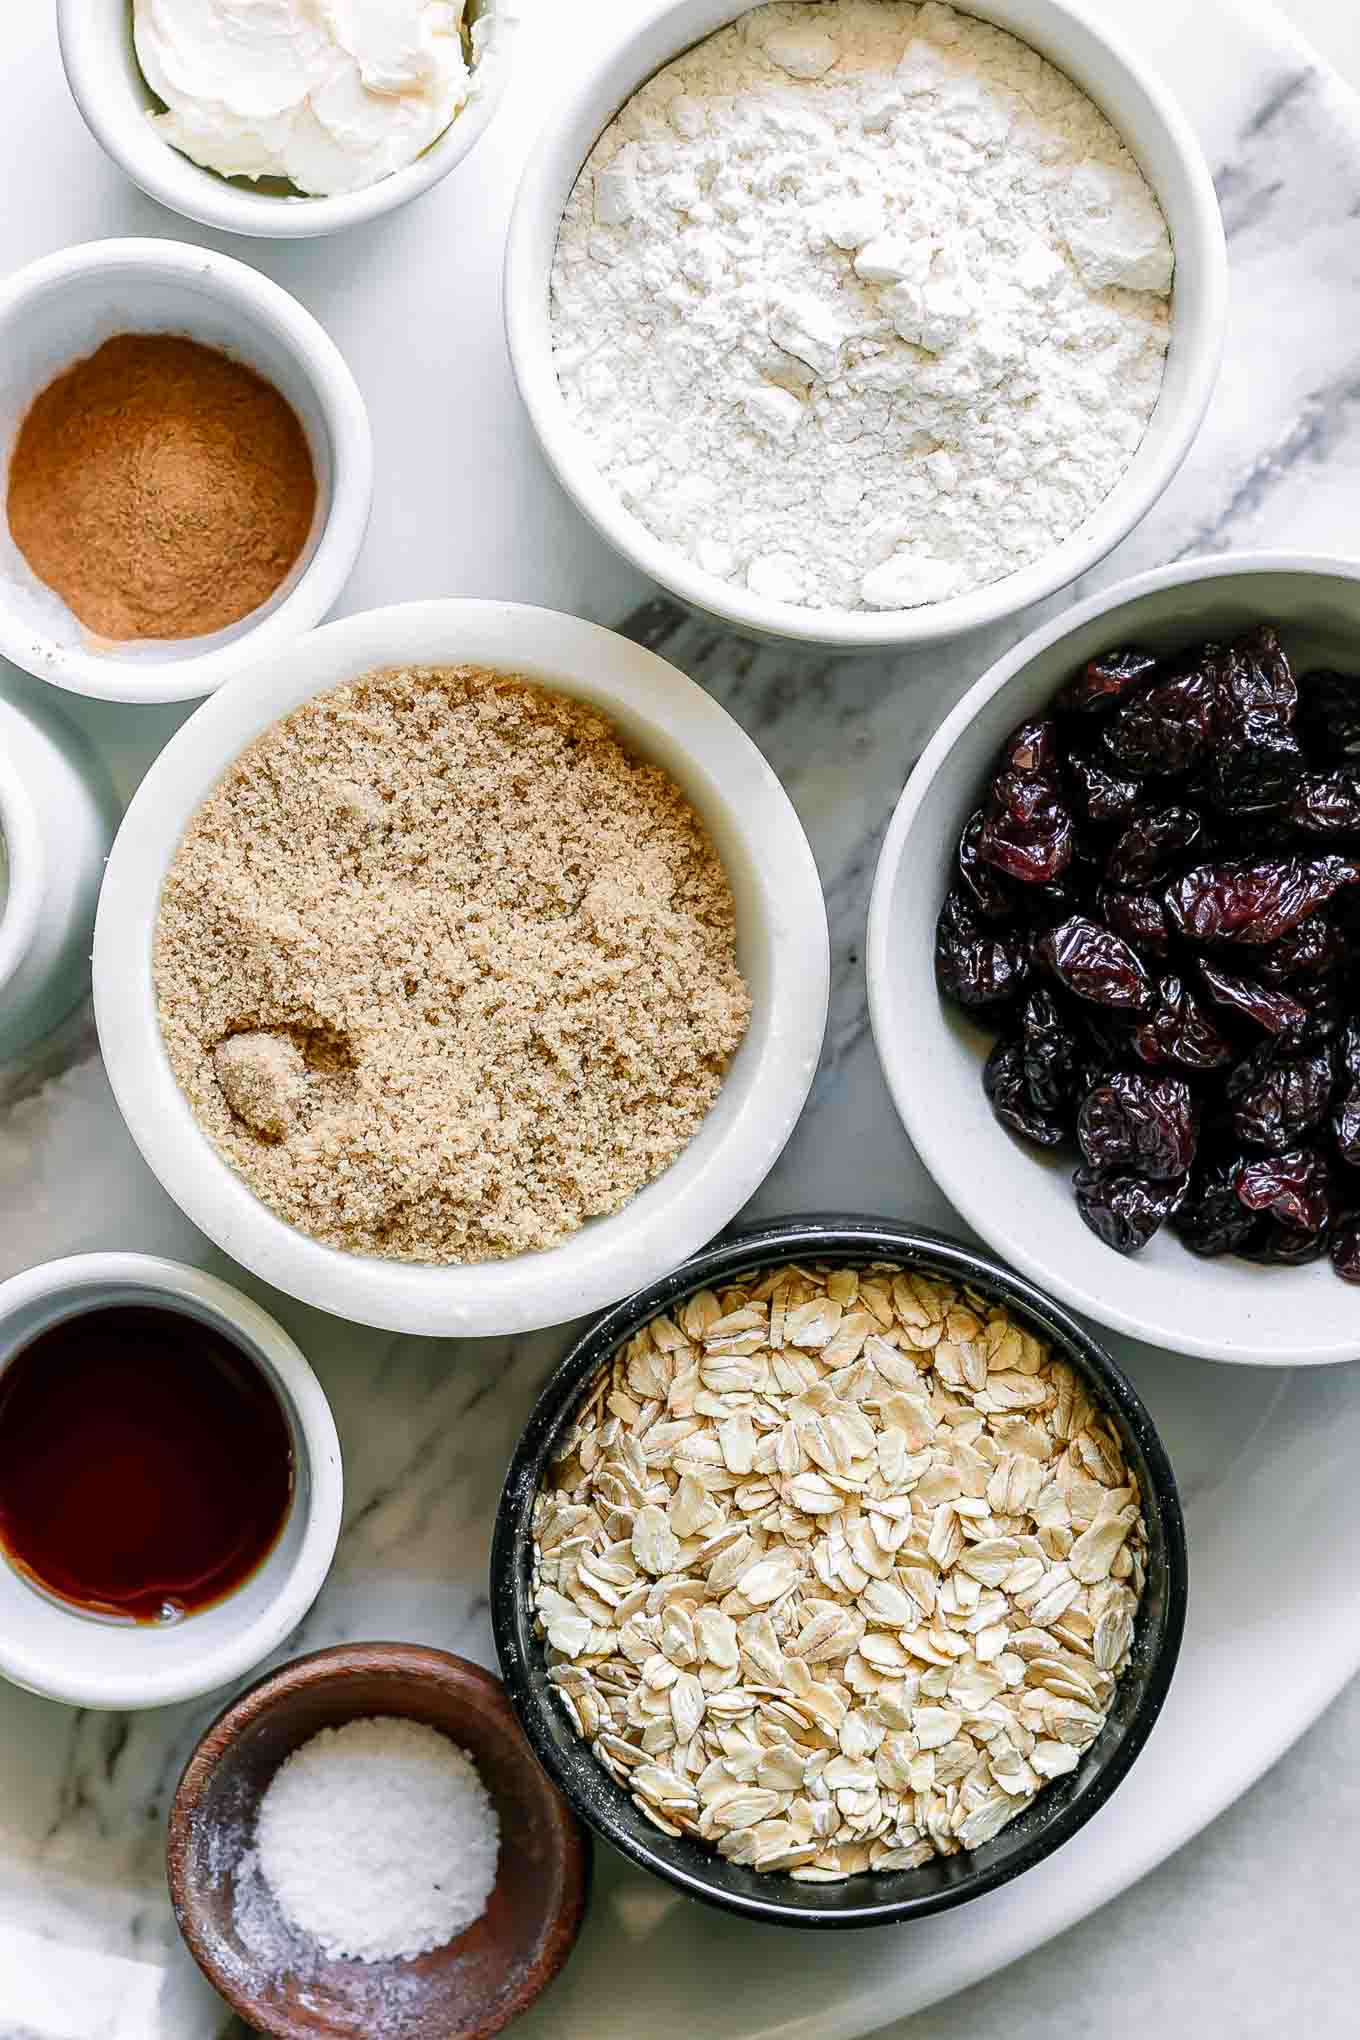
865, 323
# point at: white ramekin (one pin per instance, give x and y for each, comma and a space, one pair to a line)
781, 941
64, 1655
57, 817
1154, 129
1020, 1202
63, 307
115, 101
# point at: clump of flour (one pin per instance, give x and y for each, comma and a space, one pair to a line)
861, 305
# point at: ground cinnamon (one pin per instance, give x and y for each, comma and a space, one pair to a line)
160, 488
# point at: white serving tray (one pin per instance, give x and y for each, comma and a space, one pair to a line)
87, 1947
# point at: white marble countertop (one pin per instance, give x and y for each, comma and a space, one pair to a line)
1333, 28
1217, 1941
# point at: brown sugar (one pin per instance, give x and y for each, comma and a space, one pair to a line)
443, 971
160, 488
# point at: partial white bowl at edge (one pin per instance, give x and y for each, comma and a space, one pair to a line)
60, 309
1154, 128
64, 1655
115, 101
58, 813
782, 948
1018, 1201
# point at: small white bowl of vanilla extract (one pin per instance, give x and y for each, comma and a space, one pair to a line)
170, 1482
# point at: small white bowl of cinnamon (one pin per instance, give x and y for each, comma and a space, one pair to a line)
186, 469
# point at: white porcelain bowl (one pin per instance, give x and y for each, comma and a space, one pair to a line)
63, 307
1157, 133
781, 942
115, 101
64, 1655
57, 817
1020, 1202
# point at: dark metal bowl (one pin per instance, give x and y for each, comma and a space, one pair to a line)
869, 1899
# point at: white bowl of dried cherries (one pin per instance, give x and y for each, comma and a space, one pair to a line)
1115, 925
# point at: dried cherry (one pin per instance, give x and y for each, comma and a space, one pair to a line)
1273, 1010
1134, 1121
1284, 1245
1102, 795
1256, 900
1052, 1054
1034, 850
1122, 1208
1151, 844
1104, 681
1003, 1079
1328, 717
1255, 779
1212, 1220
1328, 803
1346, 1106
988, 891
1292, 1188
1274, 1096
1168, 728
1095, 964
1024, 797
1258, 694
1344, 1246
1138, 916
1178, 1031
1325, 1009
976, 965
1305, 952
1031, 748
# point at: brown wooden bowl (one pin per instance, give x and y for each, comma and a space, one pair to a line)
466, 1990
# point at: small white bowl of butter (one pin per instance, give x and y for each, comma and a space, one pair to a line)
219, 110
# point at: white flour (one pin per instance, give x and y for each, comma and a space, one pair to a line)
861, 304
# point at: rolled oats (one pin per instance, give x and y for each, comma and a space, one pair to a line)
837, 1569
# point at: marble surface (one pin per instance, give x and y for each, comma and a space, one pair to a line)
464, 506
1333, 28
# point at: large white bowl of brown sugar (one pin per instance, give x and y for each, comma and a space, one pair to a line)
461, 970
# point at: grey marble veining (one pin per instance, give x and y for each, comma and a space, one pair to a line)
426, 1426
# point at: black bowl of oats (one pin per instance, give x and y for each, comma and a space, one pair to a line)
839, 1576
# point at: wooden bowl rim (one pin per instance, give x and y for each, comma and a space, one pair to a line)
444, 1669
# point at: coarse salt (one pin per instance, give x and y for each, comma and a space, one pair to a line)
378, 1839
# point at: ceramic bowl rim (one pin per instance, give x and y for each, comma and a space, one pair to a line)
677, 27
25, 860
297, 1387
195, 193
913, 1103
262, 305
821, 1236
631, 685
